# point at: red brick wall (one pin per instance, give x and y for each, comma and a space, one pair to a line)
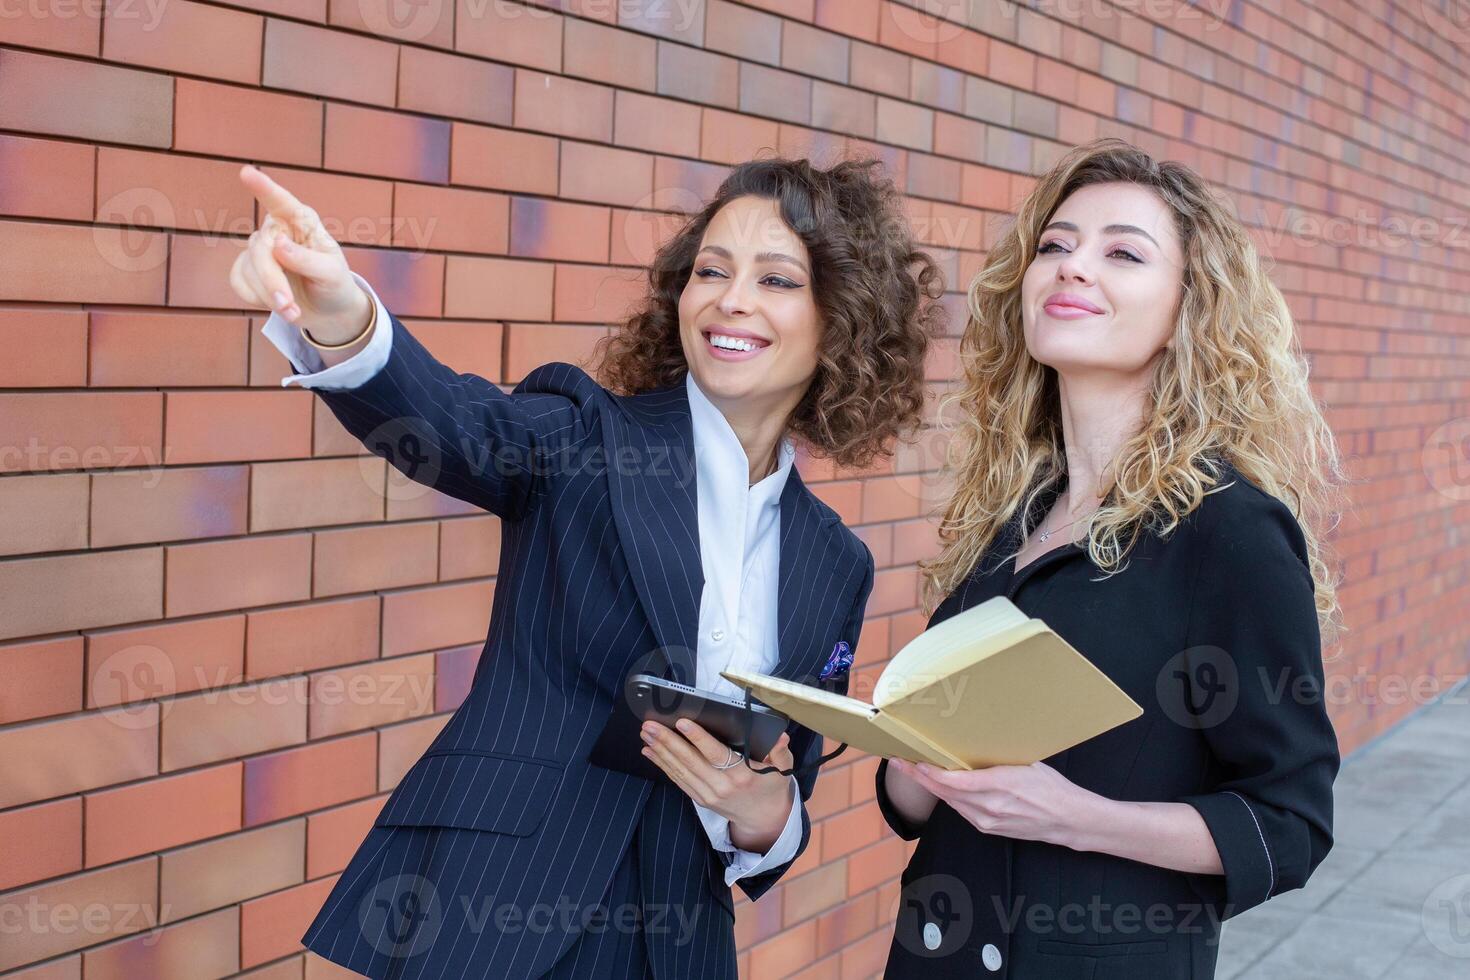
226, 631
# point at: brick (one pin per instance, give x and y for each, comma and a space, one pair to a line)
272, 926
675, 20
403, 146
509, 32
309, 493
67, 592
67, 191
881, 70
136, 350
605, 54
46, 513
935, 177
593, 294
408, 283
238, 721
914, 32
309, 637
400, 746
450, 219
80, 34
160, 813
333, 836
430, 24
367, 558
562, 229
857, 18
698, 76
47, 759
91, 101
468, 346
936, 87
231, 869
729, 138
370, 695
63, 263
844, 110
534, 344
168, 504
238, 573
775, 93
226, 120
564, 106
126, 893
648, 123
749, 35
206, 946
42, 841
637, 234
817, 891
607, 176
905, 124
330, 63
679, 185
956, 136
39, 679
965, 50
229, 426
435, 616
469, 547
186, 38
504, 159
1012, 66
442, 84
141, 662
497, 288
775, 956
309, 777
815, 52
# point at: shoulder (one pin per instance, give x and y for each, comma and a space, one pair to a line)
560, 378
1241, 526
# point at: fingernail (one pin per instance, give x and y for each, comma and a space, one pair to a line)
279, 298
293, 311
682, 725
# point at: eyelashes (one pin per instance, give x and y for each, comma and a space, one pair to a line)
779, 280
1044, 249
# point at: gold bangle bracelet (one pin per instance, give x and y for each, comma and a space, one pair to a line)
365, 331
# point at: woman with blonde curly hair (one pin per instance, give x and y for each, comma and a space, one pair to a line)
655, 525
1140, 464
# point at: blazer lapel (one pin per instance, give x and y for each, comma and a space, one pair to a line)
653, 485
817, 581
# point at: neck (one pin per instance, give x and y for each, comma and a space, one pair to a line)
1098, 415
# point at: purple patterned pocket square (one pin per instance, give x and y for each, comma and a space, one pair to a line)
839, 662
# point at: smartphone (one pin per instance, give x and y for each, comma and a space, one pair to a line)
723, 717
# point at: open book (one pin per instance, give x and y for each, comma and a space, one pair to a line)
988, 686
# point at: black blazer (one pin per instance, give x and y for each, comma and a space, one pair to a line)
599, 573
1214, 633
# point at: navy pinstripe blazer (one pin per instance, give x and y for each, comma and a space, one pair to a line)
599, 570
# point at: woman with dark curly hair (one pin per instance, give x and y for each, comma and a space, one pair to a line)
655, 525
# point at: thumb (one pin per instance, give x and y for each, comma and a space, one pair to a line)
305, 262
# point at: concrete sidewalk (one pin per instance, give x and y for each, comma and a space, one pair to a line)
1392, 898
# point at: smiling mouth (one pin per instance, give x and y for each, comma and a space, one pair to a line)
733, 344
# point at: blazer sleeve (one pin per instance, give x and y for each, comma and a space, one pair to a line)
1253, 628
806, 745
459, 433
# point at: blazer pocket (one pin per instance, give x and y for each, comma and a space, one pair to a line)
503, 794
1141, 948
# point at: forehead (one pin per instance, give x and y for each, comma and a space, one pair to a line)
753, 224
1118, 203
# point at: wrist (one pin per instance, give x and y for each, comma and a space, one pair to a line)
1094, 820
355, 325
759, 832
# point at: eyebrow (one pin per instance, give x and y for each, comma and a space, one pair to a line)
760, 256
1109, 230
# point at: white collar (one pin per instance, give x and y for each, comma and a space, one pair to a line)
718, 452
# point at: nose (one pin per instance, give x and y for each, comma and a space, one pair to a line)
735, 298
1074, 267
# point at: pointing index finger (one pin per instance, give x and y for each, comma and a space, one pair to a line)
276, 200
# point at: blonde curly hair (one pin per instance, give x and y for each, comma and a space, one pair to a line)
1232, 386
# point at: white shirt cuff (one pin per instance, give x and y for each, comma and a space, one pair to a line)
313, 373
743, 862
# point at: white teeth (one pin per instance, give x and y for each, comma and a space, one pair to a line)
730, 343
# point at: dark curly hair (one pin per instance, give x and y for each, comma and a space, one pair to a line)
877, 311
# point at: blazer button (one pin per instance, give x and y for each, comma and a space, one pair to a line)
717, 635
990, 956
932, 936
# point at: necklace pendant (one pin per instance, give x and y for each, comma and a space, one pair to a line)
1044, 535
